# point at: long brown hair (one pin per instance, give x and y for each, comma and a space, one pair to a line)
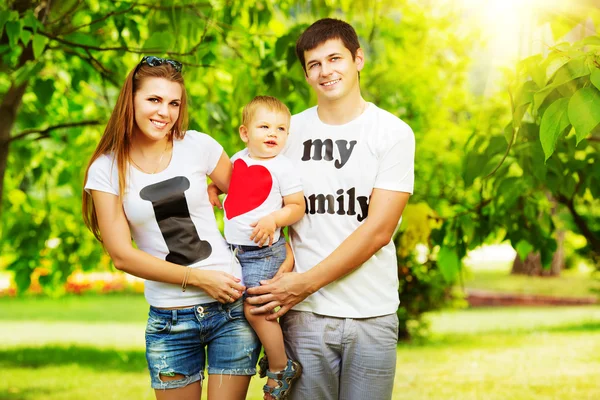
118, 134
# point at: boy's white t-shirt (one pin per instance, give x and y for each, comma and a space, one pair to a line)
169, 214
256, 189
340, 165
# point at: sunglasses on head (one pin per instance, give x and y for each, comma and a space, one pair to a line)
156, 61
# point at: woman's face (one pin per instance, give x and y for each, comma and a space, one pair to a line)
156, 107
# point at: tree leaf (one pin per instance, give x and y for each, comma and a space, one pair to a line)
39, 44
31, 21
449, 264
44, 89
4, 16
13, 30
574, 69
584, 111
523, 249
595, 78
25, 36
554, 121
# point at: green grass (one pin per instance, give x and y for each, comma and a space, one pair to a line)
93, 347
494, 276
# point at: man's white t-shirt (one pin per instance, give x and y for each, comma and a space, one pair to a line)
169, 214
340, 165
256, 189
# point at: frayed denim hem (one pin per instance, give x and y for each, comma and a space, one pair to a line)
179, 383
237, 372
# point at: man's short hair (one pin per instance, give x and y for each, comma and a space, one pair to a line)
269, 102
323, 30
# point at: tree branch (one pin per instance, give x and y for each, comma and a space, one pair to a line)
581, 223
45, 132
66, 14
110, 14
126, 49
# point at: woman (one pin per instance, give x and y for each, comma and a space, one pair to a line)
147, 181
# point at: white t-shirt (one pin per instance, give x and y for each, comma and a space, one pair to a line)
257, 189
340, 165
170, 216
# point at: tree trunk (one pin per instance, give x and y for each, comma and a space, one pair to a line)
12, 100
532, 266
8, 115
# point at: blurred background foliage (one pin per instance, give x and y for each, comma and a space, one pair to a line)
514, 164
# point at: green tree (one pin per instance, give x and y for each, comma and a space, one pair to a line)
538, 175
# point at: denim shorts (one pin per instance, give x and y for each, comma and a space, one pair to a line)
260, 263
180, 341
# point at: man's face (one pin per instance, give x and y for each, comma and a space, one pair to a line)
332, 72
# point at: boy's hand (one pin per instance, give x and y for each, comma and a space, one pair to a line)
264, 230
213, 196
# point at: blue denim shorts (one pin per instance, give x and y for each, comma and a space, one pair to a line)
260, 263
180, 341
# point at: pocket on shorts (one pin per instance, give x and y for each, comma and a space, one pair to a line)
157, 326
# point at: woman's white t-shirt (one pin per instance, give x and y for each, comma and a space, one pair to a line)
169, 214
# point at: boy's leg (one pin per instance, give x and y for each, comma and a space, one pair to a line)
316, 342
269, 333
369, 358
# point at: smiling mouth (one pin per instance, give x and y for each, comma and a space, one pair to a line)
330, 83
158, 124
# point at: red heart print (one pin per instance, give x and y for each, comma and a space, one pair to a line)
249, 188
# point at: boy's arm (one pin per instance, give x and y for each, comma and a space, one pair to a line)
291, 212
213, 195
291, 288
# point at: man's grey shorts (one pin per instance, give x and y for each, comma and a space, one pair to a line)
342, 358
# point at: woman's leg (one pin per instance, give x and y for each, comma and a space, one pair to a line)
174, 353
233, 350
190, 392
234, 387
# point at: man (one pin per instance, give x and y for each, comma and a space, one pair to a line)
338, 309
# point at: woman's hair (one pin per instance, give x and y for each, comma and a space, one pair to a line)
118, 134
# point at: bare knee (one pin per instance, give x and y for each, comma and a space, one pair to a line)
252, 318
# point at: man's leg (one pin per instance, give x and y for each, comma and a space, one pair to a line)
316, 342
369, 358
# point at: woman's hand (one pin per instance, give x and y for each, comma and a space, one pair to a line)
219, 285
288, 264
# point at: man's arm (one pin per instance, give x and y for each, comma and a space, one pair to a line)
385, 209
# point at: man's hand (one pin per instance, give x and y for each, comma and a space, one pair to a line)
264, 230
284, 291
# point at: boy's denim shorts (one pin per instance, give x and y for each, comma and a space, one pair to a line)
182, 341
260, 263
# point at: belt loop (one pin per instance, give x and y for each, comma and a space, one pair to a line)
174, 317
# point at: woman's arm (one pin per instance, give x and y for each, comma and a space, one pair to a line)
117, 241
221, 175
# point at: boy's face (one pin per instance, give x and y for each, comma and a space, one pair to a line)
266, 134
332, 72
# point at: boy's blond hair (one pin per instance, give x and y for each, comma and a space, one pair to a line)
269, 102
